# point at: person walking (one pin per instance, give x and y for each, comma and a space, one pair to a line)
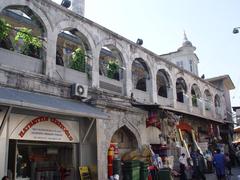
183, 166
199, 166
228, 163
219, 163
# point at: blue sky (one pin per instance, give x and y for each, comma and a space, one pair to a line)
161, 23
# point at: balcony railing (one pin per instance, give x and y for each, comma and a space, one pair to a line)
141, 96
165, 101
70, 75
183, 105
111, 84
198, 108
20, 61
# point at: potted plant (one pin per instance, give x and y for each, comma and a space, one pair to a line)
77, 61
113, 69
4, 33
31, 45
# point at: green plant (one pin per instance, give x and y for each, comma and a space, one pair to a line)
31, 45
113, 69
194, 100
4, 29
78, 60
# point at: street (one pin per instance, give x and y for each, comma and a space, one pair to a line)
235, 172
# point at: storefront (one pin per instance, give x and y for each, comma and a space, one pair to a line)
47, 137
43, 147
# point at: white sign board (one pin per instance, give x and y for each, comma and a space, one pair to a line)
45, 128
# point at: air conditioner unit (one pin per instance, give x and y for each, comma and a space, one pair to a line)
79, 90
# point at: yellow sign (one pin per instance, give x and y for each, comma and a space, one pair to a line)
84, 173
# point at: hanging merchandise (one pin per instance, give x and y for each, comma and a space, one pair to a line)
110, 161
152, 119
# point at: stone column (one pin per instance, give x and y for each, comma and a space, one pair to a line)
129, 83
50, 61
95, 70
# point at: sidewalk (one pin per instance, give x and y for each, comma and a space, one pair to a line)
235, 171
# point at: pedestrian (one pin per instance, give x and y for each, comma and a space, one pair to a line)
198, 165
208, 157
183, 166
219, 163
228, 163
5, 178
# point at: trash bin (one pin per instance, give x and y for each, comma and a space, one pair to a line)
143, 170
131, 170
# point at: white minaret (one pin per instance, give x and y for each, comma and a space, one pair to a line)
78, 6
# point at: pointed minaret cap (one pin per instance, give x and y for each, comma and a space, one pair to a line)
187, 44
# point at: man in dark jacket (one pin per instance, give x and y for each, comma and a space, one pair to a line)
198, 165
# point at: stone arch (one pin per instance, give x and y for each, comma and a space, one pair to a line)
207, 96
117, 45
125, 139
83, 40
111, 56
164, 83
196, 94
128, 125
66, 25
143, 76
145, 59
217, 101
40, 14
181, 89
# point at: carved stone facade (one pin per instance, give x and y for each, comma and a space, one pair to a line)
147, 80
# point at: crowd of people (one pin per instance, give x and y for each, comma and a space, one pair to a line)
195, 166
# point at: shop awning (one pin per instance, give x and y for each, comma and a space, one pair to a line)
48, 103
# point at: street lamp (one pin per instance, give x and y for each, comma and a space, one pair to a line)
236, 30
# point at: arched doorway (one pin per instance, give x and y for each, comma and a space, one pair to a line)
125, 140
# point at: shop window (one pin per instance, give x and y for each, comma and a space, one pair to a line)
43, 160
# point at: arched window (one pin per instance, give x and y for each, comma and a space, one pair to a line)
140, 74
110, 63
181, 89
217, 103
163, 83
23, 26
73, 50
207, 100
196, 94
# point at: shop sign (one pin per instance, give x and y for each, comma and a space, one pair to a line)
45, 128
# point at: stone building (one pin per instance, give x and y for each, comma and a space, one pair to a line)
73, 87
